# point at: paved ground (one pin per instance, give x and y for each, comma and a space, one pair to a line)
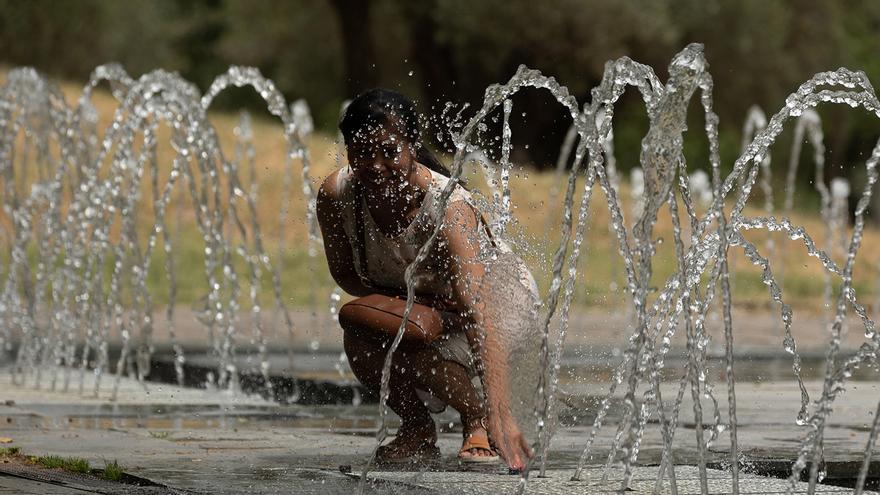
756, 331
215, 442
22, 486
559, 482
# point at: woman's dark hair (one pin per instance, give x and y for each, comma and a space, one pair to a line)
383, 107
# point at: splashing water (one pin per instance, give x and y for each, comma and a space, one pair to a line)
80, 217
76, 210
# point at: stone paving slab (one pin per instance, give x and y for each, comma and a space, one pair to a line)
220, 443
20, 486
130, 391
761, 403
757, 330
18, 473
253, 459
559, 482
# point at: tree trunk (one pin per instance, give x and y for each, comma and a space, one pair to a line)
433, 61
357, 43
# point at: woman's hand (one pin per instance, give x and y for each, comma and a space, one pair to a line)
511, 443
462, 232
439, 303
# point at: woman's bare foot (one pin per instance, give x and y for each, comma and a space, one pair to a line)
476, 442
413, 442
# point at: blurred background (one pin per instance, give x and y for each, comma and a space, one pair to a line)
442, 51
444, 54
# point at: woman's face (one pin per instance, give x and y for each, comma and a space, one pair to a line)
381, 157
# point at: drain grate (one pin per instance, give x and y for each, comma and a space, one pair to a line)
87, 483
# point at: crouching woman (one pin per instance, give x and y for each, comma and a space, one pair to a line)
476, 300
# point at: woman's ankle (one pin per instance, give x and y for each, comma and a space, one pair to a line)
419, 427
473, 422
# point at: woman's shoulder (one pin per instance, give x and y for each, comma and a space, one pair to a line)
459, 201
336, 186
439, 182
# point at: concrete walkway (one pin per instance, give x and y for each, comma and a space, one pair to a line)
756, 331
12, 485
214, 442
558, 482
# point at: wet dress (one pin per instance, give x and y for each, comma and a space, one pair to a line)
508, 290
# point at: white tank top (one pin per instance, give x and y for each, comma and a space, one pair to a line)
510, 298
387, 257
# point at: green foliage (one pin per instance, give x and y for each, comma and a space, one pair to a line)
297, 44
112, 471
72, 464
76, 465
758, 53
452, 49
758, 50
50, 461
10, 451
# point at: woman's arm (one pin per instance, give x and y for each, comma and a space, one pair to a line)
337, 248
461, 232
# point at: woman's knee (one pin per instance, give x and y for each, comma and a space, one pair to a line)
354, 327
362, 325
348, 317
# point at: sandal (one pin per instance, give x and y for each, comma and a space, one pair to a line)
478, 441
404, 450
391, 454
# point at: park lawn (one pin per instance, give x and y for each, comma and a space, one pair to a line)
305, 281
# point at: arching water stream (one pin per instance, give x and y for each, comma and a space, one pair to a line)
77, 266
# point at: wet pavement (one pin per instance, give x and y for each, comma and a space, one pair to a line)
20, 476
592, 331
198, 439
217, 442
559, 482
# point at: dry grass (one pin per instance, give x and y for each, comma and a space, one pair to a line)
10, 451
305, 280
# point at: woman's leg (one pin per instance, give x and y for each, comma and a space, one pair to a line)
449, 381
366, 357
414, 367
